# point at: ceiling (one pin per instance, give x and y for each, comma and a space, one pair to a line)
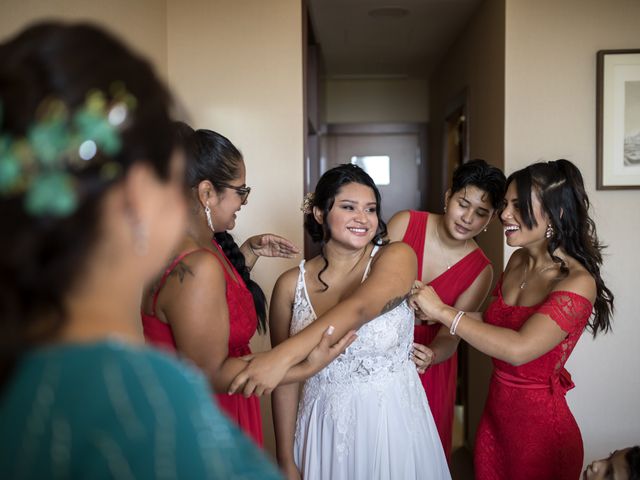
392, 38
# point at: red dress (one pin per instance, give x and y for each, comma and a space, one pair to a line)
439, 380
527, 430
243, 322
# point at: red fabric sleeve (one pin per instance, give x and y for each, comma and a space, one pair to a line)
569, 310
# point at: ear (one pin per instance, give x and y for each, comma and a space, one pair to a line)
318, 215
206, 193
447, 196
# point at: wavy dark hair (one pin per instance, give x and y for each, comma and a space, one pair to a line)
560, 188
480, 174
633, 461
42, 258
324, 197
216, 159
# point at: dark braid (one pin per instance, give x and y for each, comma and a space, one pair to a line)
235, 256
560, 187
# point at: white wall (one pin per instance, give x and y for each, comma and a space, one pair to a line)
550, 113
381, 100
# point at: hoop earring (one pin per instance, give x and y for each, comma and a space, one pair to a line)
207, 213
549, 231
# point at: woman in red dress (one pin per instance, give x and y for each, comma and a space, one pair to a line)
452, 263
205, 305
543, 302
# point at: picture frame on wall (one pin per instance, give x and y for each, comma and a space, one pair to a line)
618, 120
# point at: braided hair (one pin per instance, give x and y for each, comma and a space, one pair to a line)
215, 158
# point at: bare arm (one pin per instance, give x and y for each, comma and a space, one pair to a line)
444, 344
284, 398
537, 336
195, 306
390, 280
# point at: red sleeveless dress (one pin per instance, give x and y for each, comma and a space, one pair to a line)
243, 322
439, 380
527, 430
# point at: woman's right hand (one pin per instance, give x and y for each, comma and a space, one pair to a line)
324, 353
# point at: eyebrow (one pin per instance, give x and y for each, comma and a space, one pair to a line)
346, 200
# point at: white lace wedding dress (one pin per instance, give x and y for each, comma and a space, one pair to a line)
365, 416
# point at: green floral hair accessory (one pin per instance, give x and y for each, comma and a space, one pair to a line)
43, 165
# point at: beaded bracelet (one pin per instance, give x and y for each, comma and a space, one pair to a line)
456, 321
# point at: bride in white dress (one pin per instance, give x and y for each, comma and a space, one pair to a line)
365, 416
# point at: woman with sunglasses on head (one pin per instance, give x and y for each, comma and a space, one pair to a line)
205, 305
451, 262
542, 304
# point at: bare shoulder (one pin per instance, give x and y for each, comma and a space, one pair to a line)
286, 283
397, 225
579, 281
396, 256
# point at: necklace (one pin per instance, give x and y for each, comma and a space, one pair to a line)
523, 284
446, 259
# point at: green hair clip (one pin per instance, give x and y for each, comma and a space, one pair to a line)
42, 165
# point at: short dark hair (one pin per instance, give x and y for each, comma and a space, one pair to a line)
480, 174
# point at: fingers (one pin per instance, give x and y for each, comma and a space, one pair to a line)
248, 358
238, 382
344, 342
422, 356
249, 388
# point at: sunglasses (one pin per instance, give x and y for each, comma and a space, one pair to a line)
243, 191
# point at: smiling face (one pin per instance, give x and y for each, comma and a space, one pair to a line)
469, 211
352, 220
226, 202
615, 467
516, 232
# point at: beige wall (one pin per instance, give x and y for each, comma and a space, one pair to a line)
475, 63
378, 100
550, 113
142, 23
237, 67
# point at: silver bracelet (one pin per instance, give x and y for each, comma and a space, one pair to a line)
456, 321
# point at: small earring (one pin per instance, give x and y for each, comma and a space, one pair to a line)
549, 231
140, 239
207, 213
445, 208
484, 229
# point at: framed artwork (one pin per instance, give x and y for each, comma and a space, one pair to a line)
618, 120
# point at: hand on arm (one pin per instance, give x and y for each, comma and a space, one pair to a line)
389, 282
267, 245
195, 306
444, 344
537, 336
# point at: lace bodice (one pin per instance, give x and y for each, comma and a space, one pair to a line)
383, 344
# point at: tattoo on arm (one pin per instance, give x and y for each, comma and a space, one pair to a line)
181, 270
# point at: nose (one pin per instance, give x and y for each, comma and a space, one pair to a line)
466, 217
505, 214
361, 216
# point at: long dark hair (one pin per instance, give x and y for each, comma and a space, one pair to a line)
480, 174
216, 159
42, 257
559, 186
324, 197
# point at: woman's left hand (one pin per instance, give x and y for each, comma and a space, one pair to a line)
264, 371
425, 299
270, 245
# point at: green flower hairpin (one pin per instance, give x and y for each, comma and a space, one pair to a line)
43, 164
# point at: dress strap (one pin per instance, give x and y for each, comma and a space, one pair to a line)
167, 272
368, 269
415, 234
302, 284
